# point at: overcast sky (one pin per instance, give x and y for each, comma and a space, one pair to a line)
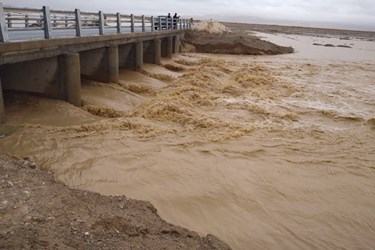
358, 14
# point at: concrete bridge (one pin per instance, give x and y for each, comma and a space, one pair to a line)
48, 52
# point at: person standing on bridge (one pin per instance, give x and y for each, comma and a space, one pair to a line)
169, 21
175, 20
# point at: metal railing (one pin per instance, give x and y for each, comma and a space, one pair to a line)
27, 24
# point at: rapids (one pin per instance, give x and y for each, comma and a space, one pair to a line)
265, 152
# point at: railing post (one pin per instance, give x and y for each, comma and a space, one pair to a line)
132, 23
78, 23
160, 26
101, 23
40, 21
66, 21
180, 23
54, 21
26, 20
84, 21
143, 23
3, 27
166, 23
152, 24
47, 23
9, 20
118, 20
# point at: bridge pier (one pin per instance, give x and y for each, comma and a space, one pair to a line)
2, 111
152, 51
177, 43
169, 47
126, 56
94, 64
113, 64
72, 75
100, 64
139, 55
148, 52
157, 51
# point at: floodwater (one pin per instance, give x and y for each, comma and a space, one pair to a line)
265, 152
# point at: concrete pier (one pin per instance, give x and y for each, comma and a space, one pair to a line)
94, 64
2, 111
113, 63
157, 51
148, 52
177, 44
72, 75
138, 55
169, 47
127, 56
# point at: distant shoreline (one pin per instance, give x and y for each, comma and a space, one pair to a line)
299, 30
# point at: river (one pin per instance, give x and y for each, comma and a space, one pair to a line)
265, 152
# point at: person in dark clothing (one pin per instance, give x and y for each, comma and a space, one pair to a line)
175, 20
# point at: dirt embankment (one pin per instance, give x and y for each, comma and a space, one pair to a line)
39, 213
210, 37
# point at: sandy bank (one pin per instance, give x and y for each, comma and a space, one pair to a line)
38, 212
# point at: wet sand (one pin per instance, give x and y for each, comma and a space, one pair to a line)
270, 152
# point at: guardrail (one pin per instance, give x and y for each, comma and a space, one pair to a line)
26, 24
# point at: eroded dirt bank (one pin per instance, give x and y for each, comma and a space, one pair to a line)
236, 43
39, 213
213, 37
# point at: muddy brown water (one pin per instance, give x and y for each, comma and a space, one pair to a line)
272, 152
